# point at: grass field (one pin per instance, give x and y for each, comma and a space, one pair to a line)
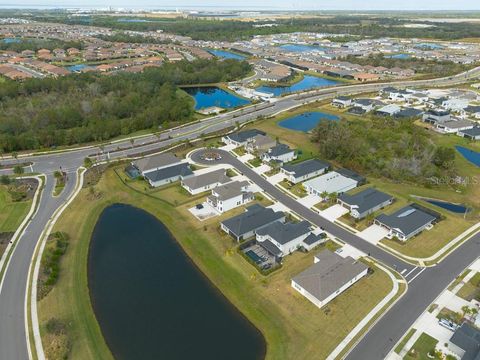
292, 326
421, 348
11, 213
471, 289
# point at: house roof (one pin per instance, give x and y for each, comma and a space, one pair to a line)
285, 232
471, 132
457, 124
366, 199
246, 135
209, 178
352, 175
408, 112
467, 337
473, 109
156, 161
312, 239
406, 220
279, 149
389, 109
332, 182
229, 190
329, 274
182, 170
270, 247
306, 167
254, 218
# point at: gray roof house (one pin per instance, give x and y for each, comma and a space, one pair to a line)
328, 277
361, 180
168, 175
472, 134
206, 181
230, 196
304, 170
280, 153
467, 338
155, 162
260, 143
242, 137
287, 237
408, 221
364, 202
243, 226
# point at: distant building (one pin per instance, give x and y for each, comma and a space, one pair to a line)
241, 138
328, 277
342, 102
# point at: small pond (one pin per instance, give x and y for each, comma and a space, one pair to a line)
299, 48
224, 54
152, 302
399, 56
306, 121
469, 155
208, 96
78, 67
307, 83
11, 40
455, 208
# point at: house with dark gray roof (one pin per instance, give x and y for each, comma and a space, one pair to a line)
168, 175
328, 277
241, 138
364, 202
280, 153
472, 134
408, 113
200, 183
434, 116
467, 338
361, 180
342, 101
408, 221
287, 237
155, 162
244, 226
304, 170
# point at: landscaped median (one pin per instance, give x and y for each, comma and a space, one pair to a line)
292, 326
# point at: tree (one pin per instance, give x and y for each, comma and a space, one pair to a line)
87, 162
5, 180
444, 157
18, 170
57, 174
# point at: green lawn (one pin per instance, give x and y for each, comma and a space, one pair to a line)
471, 289
255, 162
421, 348
296, 189
292, 326
404, 340
11, 213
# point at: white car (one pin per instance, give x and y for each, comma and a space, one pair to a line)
448, 324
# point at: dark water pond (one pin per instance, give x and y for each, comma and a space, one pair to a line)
208, 96
306, 121
470, 155
307, 83
152, 302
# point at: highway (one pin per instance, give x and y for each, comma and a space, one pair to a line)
13, 344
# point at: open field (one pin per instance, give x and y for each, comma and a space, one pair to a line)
11, 213
292, 326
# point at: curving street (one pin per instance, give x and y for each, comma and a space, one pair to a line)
375, 345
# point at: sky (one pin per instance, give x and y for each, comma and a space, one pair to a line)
263, 4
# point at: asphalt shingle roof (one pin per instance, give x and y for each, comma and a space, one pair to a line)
169, 172
407, 220
366, 199
306, 167
285, 232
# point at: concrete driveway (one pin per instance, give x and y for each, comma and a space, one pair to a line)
310, 200
333, 212
262, 169
277, 178
373, 234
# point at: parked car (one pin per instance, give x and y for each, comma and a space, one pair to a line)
448, 324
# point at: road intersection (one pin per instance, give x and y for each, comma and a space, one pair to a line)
425, 284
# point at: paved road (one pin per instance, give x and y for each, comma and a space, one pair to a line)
13, 288
425, 284
12, 294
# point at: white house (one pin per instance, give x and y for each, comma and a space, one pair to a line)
364, 202
304, 170
287, 237
230, 196
155, 162
328, 277
342, 102
279, 153
454, 126
330, 183
241, 138
200, 183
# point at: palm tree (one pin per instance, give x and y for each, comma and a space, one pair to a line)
324, 195
333, 197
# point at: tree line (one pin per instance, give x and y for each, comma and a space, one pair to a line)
80, 108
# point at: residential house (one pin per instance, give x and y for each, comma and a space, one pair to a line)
408, 113
304, 170
229, 196
364, 77
436, 116
259, 144
473, 110
287, 237
361, 180
330, 183
454, 126
408, 221
328, 277
280, 153
388, 110
241, 138
155, 162
199, 183
342, 101
467, 339
367, 104
364, 202
471, 134
244, 226
168, 174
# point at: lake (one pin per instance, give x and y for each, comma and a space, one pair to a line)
306, 121
207, 96
299, 48
152, 302
455, 208
11, 40
307, 83
224, 54
469, 155
398, 56
78, 67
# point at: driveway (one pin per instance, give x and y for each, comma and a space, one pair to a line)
333, 212
262, 169
277, 178
309, 201
373, 234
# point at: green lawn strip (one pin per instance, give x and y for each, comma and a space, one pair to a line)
296, 189
471, 289
404, 340
421, 348
292, 326
256, 162
12, 212
458, 280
